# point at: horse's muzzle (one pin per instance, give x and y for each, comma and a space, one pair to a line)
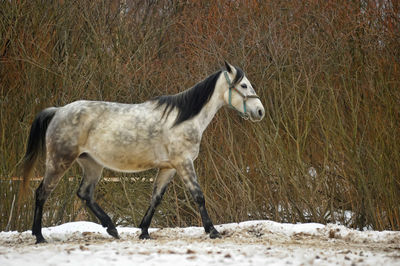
257, 115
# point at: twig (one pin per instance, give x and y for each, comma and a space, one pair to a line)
11, 212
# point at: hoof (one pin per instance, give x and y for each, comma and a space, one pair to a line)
40, 239
144, 236
113, 232
214, 234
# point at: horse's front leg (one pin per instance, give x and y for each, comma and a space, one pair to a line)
163, 178
188, 174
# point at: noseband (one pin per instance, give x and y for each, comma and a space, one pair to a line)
244, 114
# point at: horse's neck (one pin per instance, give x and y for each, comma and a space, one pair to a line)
211, 108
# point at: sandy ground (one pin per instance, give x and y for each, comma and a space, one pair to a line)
248, 243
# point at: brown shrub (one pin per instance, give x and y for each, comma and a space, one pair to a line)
327, 72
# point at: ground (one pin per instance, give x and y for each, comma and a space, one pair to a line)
247, 243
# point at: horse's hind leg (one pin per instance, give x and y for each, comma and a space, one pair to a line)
160, 185
55, 169
91, 176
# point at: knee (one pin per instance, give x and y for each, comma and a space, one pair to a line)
199, 197
41, 194
80, 195
157, 200
83, 194
86, 191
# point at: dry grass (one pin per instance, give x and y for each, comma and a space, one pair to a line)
327, 72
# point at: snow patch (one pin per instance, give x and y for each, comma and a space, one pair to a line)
246, 243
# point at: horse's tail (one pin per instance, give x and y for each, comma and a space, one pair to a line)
36, 144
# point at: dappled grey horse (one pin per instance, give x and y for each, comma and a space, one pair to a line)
164, 133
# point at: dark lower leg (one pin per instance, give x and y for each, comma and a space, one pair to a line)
40, 197
105, 220
145, 223
160, 185
56, 165
188, 174
207, 223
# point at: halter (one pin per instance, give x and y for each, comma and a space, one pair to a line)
244, 114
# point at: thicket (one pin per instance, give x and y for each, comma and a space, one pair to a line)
327, 72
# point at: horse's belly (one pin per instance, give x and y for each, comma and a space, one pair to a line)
131, 159
122, 147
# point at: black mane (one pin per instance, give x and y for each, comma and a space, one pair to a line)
189, 102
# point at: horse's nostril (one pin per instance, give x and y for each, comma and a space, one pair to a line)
260, 113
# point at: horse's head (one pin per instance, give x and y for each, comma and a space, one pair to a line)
240, 94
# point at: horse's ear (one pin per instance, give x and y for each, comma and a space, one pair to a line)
228, 67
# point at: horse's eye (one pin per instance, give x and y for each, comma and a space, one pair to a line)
244, 86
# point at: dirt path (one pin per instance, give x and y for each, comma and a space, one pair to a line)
252, 244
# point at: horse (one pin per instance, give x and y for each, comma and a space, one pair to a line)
163, 132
